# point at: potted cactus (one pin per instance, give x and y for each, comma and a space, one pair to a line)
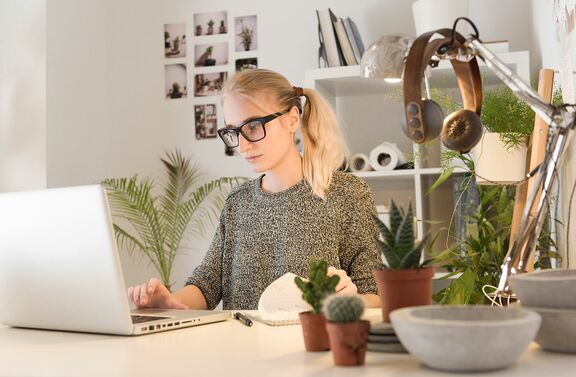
404, 280
347, 332
314, 290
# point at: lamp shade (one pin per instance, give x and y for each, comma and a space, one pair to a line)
384, 59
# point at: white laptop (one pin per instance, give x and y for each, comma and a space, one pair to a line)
60, 269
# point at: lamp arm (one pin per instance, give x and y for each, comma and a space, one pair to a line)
561, 122
521, 89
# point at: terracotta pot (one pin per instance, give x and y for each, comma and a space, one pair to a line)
314, 331
348, 342
402, 288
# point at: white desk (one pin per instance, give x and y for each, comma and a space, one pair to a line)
221, 349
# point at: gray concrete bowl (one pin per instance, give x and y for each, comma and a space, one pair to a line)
558, 329
465, 338
546, 288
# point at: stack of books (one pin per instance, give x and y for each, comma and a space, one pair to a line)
382, 338
340, 40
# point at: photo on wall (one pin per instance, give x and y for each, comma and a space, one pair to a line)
210, 54
248, 63
175, 81
246, 33
175, 40
212, 23
209, 84
206, 121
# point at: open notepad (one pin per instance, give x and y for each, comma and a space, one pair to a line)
280, 303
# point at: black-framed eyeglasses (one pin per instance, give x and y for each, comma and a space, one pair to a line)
252, 130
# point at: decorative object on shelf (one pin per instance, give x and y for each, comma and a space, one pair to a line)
209, 61
386, 156
222, 28
437, 14
404, 279
465, 338
158, 223
551, 293
210, 30
347, 332
359, 162
384, 59
314, 290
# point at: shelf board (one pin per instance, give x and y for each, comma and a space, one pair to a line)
404, 173
348, 81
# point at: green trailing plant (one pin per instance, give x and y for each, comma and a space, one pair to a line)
318, 285
157, 223
398, 244
343, 308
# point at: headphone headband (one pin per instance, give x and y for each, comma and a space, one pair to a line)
467, 76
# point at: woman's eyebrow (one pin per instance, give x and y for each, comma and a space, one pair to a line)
243, 122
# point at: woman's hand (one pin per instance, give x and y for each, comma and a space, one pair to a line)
345, 285
153, 295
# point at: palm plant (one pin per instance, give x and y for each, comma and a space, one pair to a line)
158, 223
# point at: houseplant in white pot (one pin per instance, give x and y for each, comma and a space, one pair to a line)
501, 154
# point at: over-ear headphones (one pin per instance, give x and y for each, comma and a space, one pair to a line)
462, 129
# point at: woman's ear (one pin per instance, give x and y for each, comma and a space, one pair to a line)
294, 119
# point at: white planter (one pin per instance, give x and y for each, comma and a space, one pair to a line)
493, 162
438, 14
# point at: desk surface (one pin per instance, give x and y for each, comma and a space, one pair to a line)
221, 349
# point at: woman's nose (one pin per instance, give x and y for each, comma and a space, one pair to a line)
243, 144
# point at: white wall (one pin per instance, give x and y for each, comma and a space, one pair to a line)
22, 95
106, 112
546, 48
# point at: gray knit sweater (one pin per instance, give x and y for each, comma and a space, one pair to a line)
263, 235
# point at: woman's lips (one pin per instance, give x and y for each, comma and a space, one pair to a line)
253, 158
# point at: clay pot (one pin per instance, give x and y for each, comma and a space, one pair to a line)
314, 332
348, 342
402, 288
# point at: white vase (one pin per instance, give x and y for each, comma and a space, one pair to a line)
495, 163
438, 14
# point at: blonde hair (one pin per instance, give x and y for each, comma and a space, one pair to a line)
325, 149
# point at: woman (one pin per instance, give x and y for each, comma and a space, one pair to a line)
300, 206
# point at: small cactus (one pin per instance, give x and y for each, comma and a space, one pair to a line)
343, 308
318, 285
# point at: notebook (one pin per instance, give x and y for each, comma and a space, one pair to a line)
280, 303
60, 269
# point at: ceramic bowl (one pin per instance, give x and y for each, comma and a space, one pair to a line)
558, 329
465, 338
546, 288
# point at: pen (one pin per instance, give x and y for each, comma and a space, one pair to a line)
243, 318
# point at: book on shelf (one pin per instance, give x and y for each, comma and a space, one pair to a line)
354, 38
345, 42
326, 19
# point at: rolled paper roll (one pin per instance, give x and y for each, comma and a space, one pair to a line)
386, 156
359, 162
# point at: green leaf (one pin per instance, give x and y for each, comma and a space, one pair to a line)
461, 290
446, 173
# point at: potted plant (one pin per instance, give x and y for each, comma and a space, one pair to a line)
222, 29
509, 122
210, 30
209, 61
156, 224
246, 34
404, 280
198, 30
347, 332
314, 290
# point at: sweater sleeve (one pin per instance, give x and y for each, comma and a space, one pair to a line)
207, 276
361, 256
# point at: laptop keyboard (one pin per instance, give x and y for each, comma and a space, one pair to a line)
145, 318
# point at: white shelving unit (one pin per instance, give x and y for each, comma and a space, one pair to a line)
369, 112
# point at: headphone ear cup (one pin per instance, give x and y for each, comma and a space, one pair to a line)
462, 130
433, 116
